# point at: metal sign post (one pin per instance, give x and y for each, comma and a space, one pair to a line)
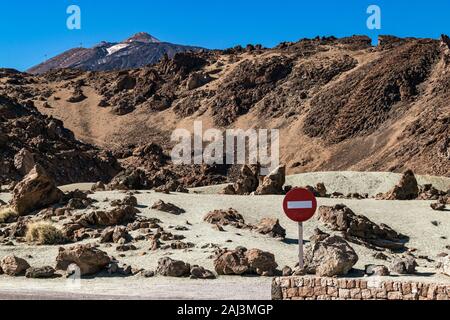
300, 245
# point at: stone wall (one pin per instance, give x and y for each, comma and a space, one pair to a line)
373, 288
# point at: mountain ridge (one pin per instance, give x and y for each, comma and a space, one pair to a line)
136, 51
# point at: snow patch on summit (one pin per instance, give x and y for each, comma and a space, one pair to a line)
117, 47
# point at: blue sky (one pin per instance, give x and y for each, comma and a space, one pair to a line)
32, 30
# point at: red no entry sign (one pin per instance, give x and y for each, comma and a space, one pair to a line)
300, 204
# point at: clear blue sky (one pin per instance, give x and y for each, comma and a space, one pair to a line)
30, 30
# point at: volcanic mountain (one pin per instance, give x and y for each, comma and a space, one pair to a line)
137, 51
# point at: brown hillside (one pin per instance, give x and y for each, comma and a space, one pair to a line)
340, 104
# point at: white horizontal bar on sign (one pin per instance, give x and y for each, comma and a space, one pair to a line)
300, 204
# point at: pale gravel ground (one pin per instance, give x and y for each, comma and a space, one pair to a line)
346, 182
412, 218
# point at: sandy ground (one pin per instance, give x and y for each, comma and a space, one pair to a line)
371, 183
413, 218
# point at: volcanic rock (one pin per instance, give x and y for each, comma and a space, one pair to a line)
167, 207
24, 161
201, 273
197, 80
359, 228
376, 270
271, 227
35, 139
90, 260
40, 273
273, 183
130, 179
407, 188
246, 183
261, 262
13, 266
286, 271
116, 216
405, 265
36, 191
330, 257
231, 263
438, 206
173, 268
225, 218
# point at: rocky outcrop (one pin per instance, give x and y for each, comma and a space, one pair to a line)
329, 257
428, 192
24, 161
13, 266
90, 260
360, 229
197, 80
406, 189
273, 183
36, 191
117, 234
31, 138
246, 183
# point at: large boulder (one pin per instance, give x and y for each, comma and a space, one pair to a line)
332, 256
261, 262
13, 266
406, 189
404, 265
173, 268
241, 261
359, 228
36, 191
273, 183
246, 183
116, 216
90, 260
198, 272
40, 273
167, 207
231, 263
272, 227
225, 217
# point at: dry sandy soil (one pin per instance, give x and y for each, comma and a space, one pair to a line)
412, 218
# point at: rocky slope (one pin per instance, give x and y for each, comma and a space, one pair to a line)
28, 138
137, 51
340, 104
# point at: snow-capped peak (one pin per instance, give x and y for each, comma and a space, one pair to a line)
142, 37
